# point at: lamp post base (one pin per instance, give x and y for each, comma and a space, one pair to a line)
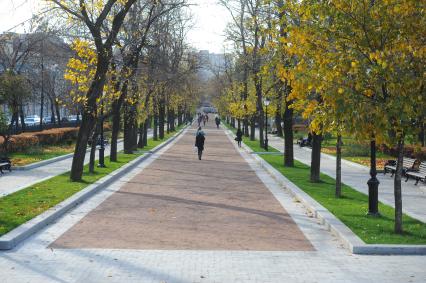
101, 158
373, 197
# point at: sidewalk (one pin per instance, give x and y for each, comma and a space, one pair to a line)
357, 175
20, 179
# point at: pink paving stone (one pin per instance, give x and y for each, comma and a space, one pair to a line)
181, 203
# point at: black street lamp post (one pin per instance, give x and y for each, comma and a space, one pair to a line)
373, 183
266, 101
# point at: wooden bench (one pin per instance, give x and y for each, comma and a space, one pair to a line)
390, 166
5, 164
418, 175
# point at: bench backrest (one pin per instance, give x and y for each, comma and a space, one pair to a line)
408, 162
422, 168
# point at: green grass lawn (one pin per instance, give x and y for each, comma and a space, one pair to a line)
254, 145
352, 208
21, 206
40, 153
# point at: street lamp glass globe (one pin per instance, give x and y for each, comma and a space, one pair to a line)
266, 101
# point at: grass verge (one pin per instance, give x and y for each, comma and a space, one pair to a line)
21, 206
40, 153
254, 145
352, 208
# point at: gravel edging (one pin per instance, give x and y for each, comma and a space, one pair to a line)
20, 233
348, 238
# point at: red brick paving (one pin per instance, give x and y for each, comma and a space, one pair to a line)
181, 203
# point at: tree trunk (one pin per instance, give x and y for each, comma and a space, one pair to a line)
155, 130
180, 122
422, 134
58, 113
41, 105
246, 127
239, 124
141, 134
173, 118
316, 158
161, 114
260, 114
130, 129
168, 119
339, 166
21, 115
88, 112
86, 128
135, 130
278, 123
288, 136
93, 150
145, 132
115, 132
15, 120
253, 129
397, 187
52, 115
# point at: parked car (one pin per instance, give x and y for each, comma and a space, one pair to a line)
32, 120
72, 118
47, 120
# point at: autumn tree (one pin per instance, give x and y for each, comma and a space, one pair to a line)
248, 32
103, 20
365, 60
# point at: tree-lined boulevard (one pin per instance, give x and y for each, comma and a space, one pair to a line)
106, 103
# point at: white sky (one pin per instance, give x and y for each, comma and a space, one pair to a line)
210, 20
14, 12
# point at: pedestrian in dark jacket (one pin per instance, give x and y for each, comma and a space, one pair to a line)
239, 137
199, 142
217, 120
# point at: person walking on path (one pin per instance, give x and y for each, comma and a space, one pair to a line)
199, 142
239, 137
200, 118
204, 119
217, 120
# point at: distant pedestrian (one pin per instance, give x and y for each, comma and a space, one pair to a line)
200, 119
204, 119
199, 142
239, 137
217, 120
207, 118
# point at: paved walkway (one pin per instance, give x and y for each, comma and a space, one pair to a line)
356, 176
213, 204
20, 179
177, 219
